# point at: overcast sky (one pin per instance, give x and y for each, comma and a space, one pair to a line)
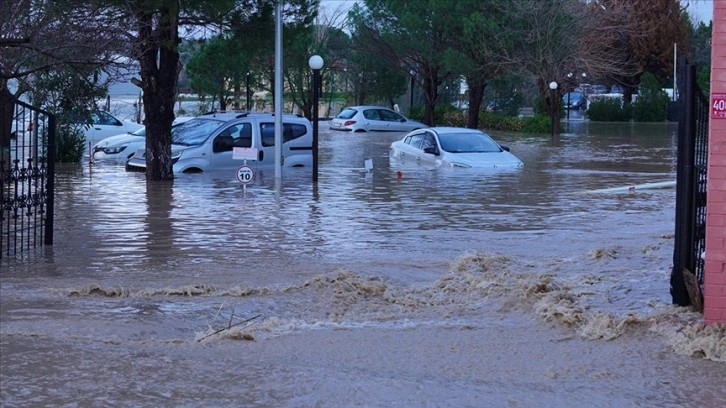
700, 9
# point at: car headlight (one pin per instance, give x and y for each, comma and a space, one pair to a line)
462, 165
114, 149
175, 155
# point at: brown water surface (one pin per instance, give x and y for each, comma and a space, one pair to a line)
395, 287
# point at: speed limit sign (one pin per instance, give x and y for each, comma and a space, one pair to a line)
245, 174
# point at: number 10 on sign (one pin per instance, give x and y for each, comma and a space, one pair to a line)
245, 174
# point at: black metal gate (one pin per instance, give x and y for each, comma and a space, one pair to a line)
27, 175
690, 231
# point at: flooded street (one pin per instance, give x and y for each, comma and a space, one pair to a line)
399, 287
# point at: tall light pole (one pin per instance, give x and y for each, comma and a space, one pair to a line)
316, 63
278, 90
553, 105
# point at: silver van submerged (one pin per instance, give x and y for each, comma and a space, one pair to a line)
207, 143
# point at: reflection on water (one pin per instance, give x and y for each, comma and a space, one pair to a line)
442, 259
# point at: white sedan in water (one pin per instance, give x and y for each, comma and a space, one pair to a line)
452, 147
120, 148
100, 124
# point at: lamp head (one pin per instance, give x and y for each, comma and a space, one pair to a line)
315, 62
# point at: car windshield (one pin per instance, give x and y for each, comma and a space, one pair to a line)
573, 96
347, 113
195, 131
467, 143
174, 130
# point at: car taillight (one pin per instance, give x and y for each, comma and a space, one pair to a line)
349, 123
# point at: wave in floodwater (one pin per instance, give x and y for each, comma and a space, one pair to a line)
477, 285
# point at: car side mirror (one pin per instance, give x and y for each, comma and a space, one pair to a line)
431, 150
504, 147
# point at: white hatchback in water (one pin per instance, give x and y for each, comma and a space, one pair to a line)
452, 147
373, 118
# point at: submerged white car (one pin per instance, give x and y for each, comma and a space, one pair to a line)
100, 125
209, 142
373, 118
120, 148
452, 147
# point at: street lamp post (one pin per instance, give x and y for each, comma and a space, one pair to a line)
553, 105
316, 63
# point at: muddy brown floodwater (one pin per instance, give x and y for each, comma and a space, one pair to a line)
399, 287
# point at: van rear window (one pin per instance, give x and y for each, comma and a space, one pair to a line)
291, 131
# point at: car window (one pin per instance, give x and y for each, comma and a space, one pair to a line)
347, 113
195, 131
390, 116
428, 141
103, 118
290, 131
223, 142
241, 134
467, 143
372, 114
415, 140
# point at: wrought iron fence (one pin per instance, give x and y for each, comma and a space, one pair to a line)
27, 175
690, 229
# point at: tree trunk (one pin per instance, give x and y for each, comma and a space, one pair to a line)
159, 85
476, 95
222, 100
552, 99
7, 104
431, 95
237, 90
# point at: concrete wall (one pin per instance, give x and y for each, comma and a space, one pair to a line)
715, 267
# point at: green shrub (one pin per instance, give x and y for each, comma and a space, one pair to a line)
609, 110
440, 112
539, 106
455, 118
493, 121
652, 103
509, 105
536, 124
69, 143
